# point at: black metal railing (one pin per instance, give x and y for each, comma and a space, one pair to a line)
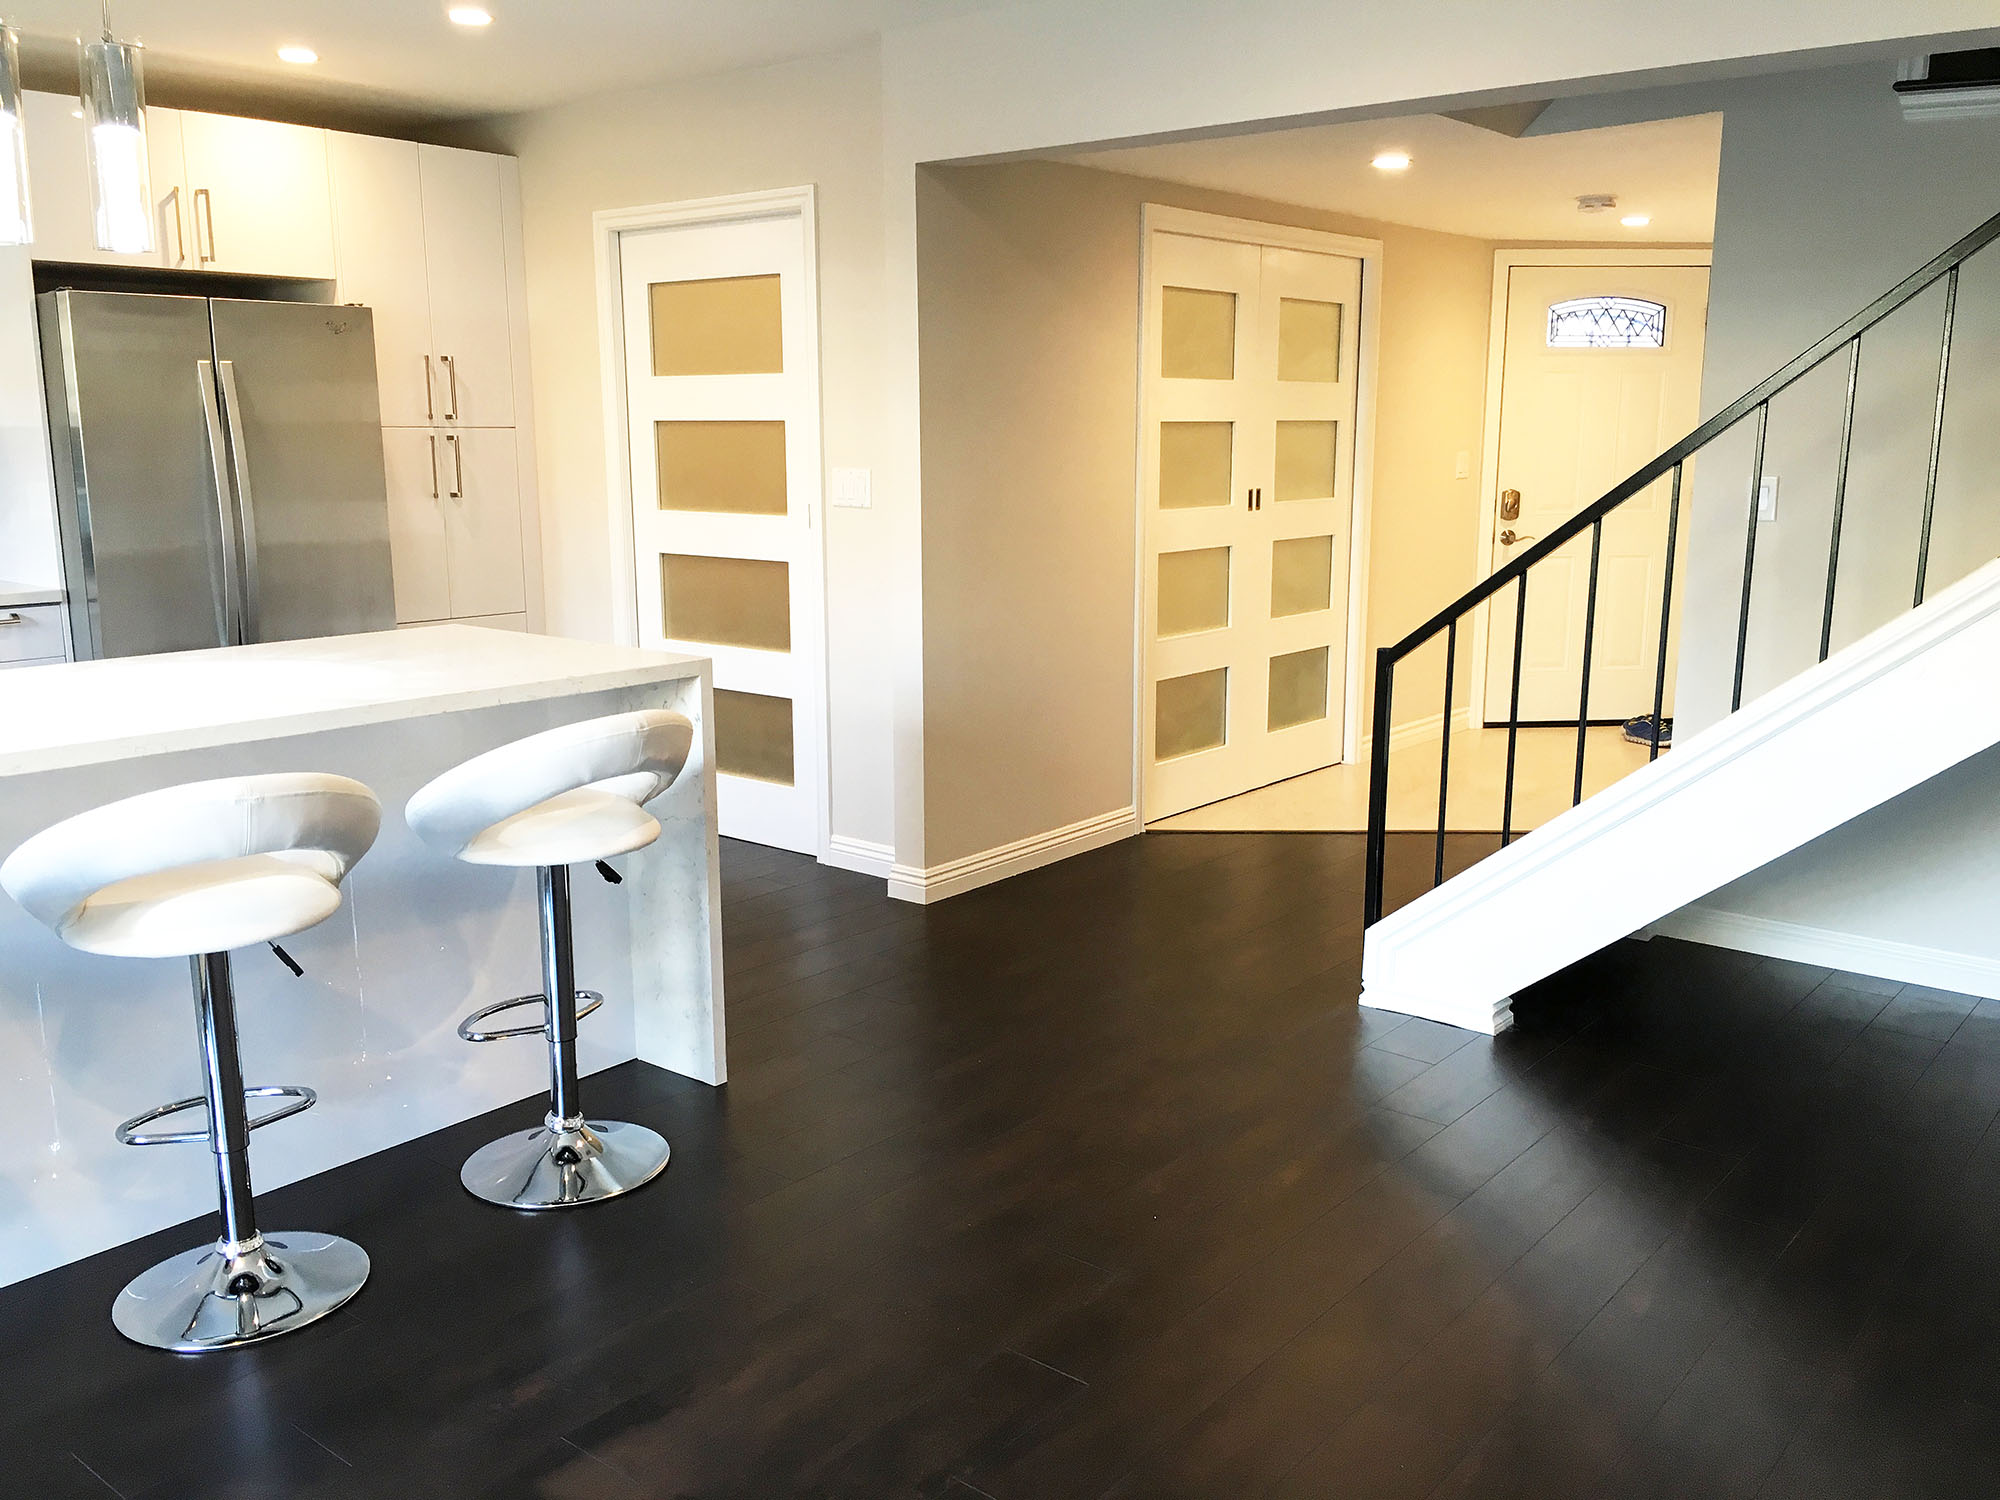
1669, 465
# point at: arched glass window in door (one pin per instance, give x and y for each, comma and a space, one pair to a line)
1607, 323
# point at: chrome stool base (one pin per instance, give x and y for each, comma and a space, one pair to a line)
556, 1167
207, 1299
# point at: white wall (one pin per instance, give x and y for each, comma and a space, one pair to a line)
815, 122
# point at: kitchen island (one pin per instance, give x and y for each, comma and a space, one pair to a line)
87, 1041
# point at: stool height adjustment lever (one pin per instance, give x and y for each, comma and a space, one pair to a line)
288, 961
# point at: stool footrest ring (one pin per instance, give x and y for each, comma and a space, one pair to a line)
587, 1001
132, 1134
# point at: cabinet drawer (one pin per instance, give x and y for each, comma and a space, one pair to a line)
31, 632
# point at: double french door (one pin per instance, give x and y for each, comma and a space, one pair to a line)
1247, 480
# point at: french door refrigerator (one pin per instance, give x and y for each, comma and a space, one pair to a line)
218, 470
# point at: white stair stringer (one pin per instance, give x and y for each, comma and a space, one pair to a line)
1882, 715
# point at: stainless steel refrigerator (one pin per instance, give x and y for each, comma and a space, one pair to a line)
218, 468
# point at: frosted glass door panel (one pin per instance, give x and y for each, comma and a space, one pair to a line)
736, 467
753, 736
726, 325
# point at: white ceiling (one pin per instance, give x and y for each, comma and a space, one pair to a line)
1463, 179
404, 56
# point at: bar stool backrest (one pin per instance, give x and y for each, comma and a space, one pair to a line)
321, 823
632, 756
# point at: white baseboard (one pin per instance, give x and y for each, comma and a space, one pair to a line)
907, 883
1489, 1016
1907, 963
1413, 731
860, 856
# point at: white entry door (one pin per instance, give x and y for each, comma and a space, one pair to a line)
1601, 371
1247, 482
722, 397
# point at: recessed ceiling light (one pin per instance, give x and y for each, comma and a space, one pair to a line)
1636, 221
293, 53
1392, 161
469, 15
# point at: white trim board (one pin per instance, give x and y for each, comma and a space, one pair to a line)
956, 876
1851, 953
862, 856
606, 226
1165, 217
1504, 262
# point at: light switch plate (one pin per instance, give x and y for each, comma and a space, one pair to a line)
1767, 498
853, 488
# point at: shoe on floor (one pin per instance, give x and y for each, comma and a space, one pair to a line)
1646, 730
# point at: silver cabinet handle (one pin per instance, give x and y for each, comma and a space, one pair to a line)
434, 466
450, 364
229, 622
180, 229
246, 503
457, 465
204, 212
430, 398
13, 617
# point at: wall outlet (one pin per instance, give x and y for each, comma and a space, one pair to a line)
853, 488
1767, 498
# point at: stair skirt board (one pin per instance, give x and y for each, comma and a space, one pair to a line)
1907, 701
1500, 1013
1849, 952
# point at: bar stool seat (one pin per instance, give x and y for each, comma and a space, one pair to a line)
563, 797
195, 871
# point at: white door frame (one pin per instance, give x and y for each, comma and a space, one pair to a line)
810, 631
1504, 261
1163, 217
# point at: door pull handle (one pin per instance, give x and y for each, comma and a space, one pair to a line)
450, 364
430, 395
434, 466
204, 213
180, 229
457, 465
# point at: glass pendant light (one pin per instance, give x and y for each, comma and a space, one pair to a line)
16, 223
114, 114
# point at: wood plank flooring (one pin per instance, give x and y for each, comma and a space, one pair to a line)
1096, 1185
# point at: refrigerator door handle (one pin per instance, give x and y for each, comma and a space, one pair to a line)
230, 620
246, 504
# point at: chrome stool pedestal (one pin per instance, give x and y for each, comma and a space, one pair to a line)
247, 1286
566, 1160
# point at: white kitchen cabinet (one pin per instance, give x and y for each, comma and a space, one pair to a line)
482, 499
379, 240
454, 522
466, 263
59, 186
259, 202
417, 546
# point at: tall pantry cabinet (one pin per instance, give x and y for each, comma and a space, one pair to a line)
429, 237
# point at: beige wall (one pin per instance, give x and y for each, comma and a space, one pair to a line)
1029, 314
815, 122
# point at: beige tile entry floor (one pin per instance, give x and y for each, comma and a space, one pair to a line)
1335, 800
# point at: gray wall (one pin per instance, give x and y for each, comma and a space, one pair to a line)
1827, 198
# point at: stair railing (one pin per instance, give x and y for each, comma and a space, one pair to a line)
1671, 464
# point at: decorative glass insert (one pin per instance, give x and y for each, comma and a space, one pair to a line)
1298, 688
1607, 323
1301, 575
1191, 713
726, 601
1197, 334
753, 736
1308, 340
1305, 460
1194, 464
735, 468
1194, 591
731, 325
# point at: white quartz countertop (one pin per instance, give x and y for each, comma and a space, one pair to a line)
90, 712
13, 595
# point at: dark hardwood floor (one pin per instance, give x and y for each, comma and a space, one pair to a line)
1096, 1183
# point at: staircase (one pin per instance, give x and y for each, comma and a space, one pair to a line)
1766, 779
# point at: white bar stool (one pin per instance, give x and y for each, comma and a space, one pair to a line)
195, 871
551, 800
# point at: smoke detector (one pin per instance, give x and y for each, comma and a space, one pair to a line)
1596, 203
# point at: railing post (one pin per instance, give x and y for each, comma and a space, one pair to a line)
1937, 436
1444, 747
1749, 557
1666, 617
1378, 788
